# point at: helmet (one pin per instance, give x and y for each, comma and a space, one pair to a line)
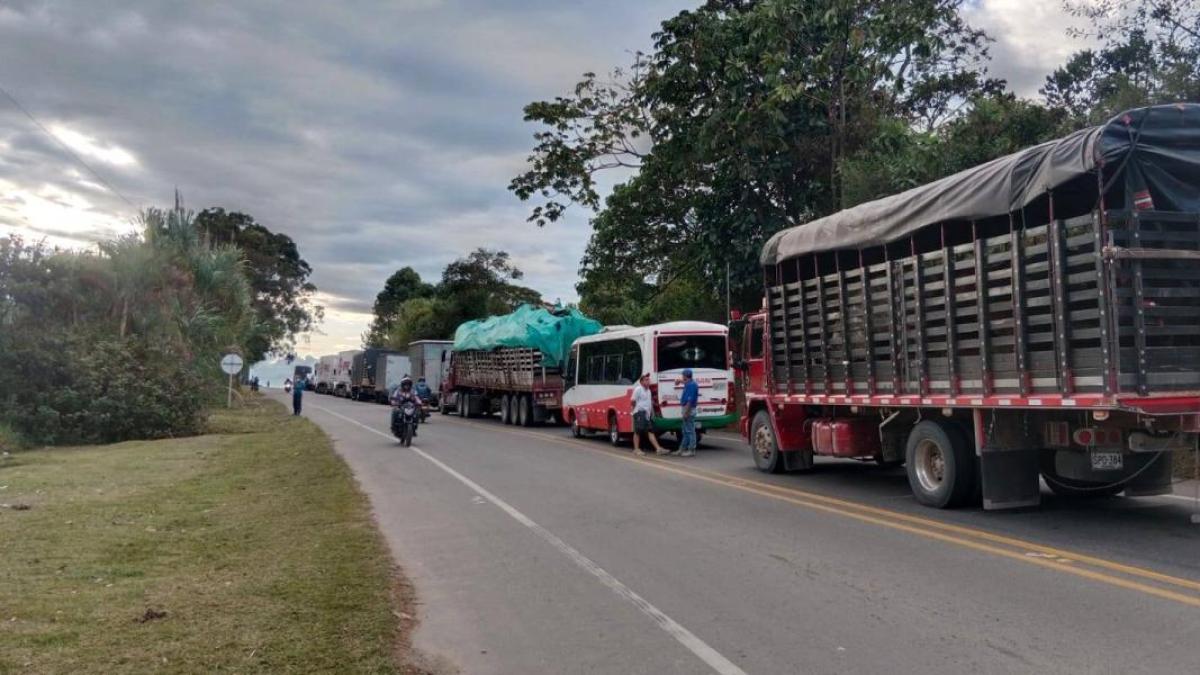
406, 383
687, 372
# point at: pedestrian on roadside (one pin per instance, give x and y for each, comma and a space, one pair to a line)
642, 405
688, 401
297, 394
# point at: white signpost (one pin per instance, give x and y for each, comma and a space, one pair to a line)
232, 365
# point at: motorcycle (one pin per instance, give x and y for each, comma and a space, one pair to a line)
405, 418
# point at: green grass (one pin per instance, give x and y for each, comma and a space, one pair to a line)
253, 540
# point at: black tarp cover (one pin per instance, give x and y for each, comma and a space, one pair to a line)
1155, 149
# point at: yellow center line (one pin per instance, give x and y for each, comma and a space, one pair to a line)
1045, 556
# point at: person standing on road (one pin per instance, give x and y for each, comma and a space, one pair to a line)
642, 405
688, 401
297, 394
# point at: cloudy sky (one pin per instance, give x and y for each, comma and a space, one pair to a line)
376, 134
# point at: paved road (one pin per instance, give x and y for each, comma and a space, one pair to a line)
536, 553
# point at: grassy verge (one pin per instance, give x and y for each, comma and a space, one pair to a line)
247, 549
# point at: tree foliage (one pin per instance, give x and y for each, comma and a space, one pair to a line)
737, 124
404, 285
1149, 53
278, 276
477, 285
123, 342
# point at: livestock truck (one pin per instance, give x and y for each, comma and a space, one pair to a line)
512, 365
374, 372
1037, 316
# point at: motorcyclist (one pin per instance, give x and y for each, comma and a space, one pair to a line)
423, 390
403, 393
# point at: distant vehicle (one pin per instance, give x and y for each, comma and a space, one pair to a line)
512, 365
430, 360
603, 369
375, 372
342, 375
1035, 316
303, 372
323, 374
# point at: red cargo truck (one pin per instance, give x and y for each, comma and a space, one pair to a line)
1037, 316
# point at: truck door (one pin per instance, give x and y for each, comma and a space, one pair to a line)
752, 355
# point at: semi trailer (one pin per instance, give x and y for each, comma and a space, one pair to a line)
512, 365
374, 371
1034, 318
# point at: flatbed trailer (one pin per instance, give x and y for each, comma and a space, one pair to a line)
986, 346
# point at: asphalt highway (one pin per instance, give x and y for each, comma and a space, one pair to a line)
533, 552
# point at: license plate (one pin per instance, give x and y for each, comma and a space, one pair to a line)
1107, 461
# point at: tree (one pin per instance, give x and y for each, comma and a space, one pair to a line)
737, 124
477, 285
480, 284
278, 276
404, 285
1149, 53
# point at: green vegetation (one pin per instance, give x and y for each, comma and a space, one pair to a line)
749, 116
472, 287
123, 342
247, 549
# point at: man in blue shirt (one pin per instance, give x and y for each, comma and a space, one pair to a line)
688, 400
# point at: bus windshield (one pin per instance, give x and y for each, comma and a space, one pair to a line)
691, 351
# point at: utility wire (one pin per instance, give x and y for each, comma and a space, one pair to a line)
66, 148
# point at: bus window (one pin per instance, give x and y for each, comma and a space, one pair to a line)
631, 366
691, 351
612, 368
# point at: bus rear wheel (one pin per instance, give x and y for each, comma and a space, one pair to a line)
614, 432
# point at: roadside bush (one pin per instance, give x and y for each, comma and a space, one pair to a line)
83, 391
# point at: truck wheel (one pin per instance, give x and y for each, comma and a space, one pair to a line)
463, 405
763, 444
526, 404
506, 409
442, 409
941, 467
614, 433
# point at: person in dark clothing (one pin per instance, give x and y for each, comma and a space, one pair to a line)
297, 395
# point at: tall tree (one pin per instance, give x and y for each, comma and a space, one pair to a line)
404, 285
735, 126
1149, 53
279, 278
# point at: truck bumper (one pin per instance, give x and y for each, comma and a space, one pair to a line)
703, 422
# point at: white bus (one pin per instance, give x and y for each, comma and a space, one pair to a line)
604, 368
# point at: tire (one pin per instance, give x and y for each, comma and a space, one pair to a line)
526, 404
940, 465
506, 410
442, 409
576, 430
462, 407
614, 433
1072, 488
763, 444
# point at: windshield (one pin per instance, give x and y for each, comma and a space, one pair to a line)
691, 351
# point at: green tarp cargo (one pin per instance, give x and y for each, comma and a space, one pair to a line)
550, 332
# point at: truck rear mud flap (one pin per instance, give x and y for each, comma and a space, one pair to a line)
1009, 478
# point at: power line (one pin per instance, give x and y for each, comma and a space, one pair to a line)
67, 149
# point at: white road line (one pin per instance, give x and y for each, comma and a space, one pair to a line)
685, 637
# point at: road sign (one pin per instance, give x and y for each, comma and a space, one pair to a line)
231, 364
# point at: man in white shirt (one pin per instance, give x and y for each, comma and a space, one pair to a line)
642, 405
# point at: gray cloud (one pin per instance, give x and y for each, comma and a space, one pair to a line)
377, 135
